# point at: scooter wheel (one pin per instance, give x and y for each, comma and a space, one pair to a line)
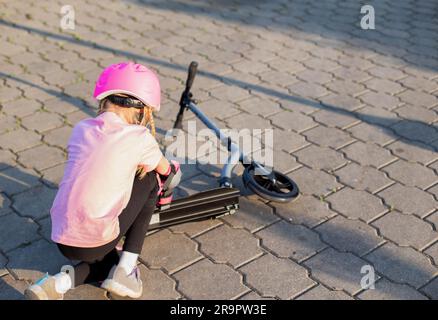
276, 187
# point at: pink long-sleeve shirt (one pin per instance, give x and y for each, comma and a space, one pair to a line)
103, 155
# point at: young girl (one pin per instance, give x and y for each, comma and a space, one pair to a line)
110, 188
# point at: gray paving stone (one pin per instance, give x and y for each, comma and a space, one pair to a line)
321, 64
227, 245
45, 228
322, 293
250, 66
356, 204
351, 74
58, 137
288, 140
349, 235
11, 289
5, 205
341, 101
386, 290
384, 85
409, 200
416, 113
328, 137
307, 90
355, 61
339, 271
362, 177
288, 280
378, 116
63, 105
345, 87
414, 152
34, 203
431, 289
252, 215
7, 159
74, 117
21, 107
316, 182
386, 72
320, 158
53, 176
169, 251
278, 78
291, 241
372, 133
16, 231
229, 93
314, 76
411, 174
432, 251
290, 66
406, 230
33, 261
380, 100
214, 108
8, 95
19, 139
32, 158
418, 98
253, 296
248, 121
368, 154
337, 119
3, 262
8, 123
42, 121
402, 265
417, 83
206, 280
293, 121
192, 229
17, 179
434, 166
157, 285
415, 131
306, 210
198, 183
86, 292
296, 106
282, 161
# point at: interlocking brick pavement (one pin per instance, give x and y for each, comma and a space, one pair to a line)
354, 114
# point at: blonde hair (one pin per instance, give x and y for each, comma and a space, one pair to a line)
148, 120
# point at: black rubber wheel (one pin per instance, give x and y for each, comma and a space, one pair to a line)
276, 187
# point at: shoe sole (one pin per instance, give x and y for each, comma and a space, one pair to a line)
120, 290
35, 293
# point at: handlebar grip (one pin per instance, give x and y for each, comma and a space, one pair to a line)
192, 73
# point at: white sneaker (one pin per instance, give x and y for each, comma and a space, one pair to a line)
123, 284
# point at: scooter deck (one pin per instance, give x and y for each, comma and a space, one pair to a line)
202, 205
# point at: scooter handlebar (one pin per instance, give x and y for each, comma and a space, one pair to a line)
191, 76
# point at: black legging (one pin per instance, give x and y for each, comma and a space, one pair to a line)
134, 220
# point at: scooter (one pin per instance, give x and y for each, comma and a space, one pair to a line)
266, 183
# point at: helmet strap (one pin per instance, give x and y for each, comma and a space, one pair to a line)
126, 102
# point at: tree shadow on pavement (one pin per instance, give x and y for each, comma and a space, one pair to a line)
25, 229
349, 249
417, 133
79, 104
404, 29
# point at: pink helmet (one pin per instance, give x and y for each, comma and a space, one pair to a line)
132, 79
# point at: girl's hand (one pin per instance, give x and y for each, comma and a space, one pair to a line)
168, 182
